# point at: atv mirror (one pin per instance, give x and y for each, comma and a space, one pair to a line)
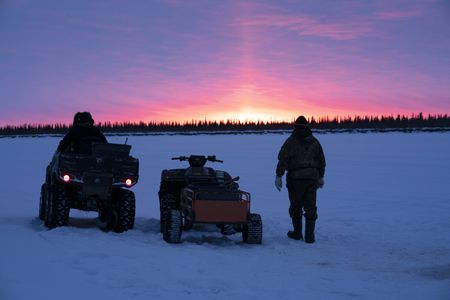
213, 158
180, 158
236, 178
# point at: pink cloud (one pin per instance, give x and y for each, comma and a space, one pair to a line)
398, 14
306, 25
264, 63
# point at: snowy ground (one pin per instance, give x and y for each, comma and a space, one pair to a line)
383, 230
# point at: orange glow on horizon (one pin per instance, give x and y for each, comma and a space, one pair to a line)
244, 103
250, 114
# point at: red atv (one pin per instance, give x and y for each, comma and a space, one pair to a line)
200, 194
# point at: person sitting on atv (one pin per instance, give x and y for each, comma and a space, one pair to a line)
80, 137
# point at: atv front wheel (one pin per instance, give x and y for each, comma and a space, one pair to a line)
172, 226
252, 231
167, 202
57, 207
124, 211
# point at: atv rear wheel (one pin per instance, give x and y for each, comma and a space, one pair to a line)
42, 202
124, 211
172, 226
252, 231
57, 207
167, 202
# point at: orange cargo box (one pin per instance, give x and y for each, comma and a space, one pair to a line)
217, 211
216, 206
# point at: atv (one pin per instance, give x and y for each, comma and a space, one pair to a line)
200, 194
96, 181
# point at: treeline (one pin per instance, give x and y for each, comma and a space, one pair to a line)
415, 121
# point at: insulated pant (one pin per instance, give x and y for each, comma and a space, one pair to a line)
302, 195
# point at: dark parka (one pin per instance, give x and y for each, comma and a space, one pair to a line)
78, 136
301, 156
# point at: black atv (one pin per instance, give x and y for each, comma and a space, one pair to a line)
200, 194
91, 182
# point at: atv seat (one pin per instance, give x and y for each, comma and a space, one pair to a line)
200, 172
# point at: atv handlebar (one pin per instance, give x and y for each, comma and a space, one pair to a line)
180, 158
211, 158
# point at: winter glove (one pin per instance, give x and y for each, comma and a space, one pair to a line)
320, 183
278, 183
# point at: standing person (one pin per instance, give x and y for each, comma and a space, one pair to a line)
81, 135
302, 157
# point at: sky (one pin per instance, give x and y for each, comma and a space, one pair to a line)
176, 60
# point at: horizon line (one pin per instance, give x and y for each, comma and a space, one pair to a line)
324, 118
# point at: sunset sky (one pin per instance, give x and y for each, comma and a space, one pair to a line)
176, 60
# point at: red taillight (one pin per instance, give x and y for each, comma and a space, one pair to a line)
66, 178
128, 182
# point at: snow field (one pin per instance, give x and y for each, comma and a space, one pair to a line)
382, 233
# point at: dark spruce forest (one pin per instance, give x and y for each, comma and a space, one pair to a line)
415, 122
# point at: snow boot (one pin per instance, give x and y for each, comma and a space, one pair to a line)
296, 234
309, 231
